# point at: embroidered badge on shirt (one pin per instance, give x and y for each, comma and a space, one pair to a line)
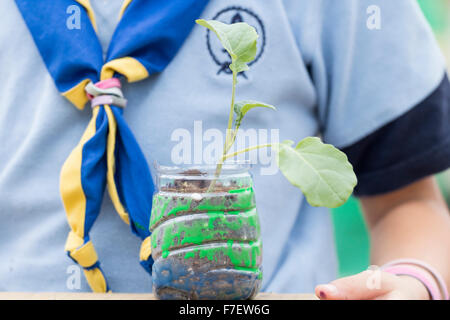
234, 15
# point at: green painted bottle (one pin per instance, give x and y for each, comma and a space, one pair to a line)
206, 244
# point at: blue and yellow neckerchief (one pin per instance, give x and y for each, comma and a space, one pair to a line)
147, 38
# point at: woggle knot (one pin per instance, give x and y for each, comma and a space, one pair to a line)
81, 252
145, 256
106, 92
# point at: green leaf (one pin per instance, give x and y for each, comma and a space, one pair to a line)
321, 171
242, 107
239, 39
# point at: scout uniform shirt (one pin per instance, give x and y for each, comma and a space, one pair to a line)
326, 68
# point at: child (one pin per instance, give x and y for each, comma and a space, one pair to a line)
365, 75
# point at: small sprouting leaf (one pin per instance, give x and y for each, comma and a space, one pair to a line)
242, 107
321, 171
239, 39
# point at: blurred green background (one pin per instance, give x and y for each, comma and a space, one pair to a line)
352, 240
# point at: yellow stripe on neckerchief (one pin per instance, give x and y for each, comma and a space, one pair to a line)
147, 38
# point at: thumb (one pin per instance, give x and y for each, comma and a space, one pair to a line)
362, 286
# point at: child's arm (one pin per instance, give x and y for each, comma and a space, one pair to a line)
412, 222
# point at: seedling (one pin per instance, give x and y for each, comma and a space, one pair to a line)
319, 170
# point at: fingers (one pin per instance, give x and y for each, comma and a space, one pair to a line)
327, 292
366, 285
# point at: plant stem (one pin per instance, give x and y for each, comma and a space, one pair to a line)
228, 135
230, 116
231, 155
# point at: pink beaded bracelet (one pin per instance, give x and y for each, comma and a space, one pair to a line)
423, 272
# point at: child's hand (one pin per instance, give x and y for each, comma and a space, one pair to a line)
365, 286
